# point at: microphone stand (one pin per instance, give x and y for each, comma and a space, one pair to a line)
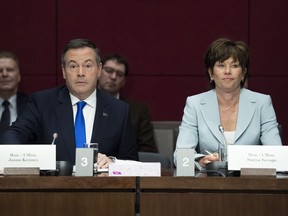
219, 167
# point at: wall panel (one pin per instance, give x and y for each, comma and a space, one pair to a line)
268, 44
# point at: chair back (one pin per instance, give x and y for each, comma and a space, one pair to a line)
165, 134
155, 157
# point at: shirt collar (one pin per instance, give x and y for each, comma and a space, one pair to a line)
12, 101
91, 100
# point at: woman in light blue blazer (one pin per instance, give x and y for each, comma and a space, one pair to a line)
228, 113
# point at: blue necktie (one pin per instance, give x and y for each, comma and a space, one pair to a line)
80, 134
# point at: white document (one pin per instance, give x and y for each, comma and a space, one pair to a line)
42, 156
257, 156
134, 168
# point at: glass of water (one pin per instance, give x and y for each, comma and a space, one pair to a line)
222, 151
94, 146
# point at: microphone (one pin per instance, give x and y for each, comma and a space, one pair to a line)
221, 129
219, 167
55, 135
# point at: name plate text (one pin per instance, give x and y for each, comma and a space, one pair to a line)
40, 155
257, 156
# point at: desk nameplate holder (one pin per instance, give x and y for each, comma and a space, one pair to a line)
26, 159
246, 172
12, 171
185, 162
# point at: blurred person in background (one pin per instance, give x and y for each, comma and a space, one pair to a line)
11, 101
114, 75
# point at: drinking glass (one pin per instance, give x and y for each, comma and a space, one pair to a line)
222, 151
95, 154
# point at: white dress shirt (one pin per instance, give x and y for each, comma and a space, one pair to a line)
229, 136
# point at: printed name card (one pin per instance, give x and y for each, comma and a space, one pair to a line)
134, 168
257, 156
42, 156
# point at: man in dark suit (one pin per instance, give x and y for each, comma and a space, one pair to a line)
107, 120
113, 78
10, 98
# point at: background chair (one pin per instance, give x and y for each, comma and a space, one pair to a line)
155, 157
165, 134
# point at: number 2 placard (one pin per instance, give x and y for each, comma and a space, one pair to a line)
185, 162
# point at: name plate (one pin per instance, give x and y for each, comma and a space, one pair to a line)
258, 156
42, 156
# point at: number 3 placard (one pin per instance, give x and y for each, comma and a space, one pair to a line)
84, 162
185, 162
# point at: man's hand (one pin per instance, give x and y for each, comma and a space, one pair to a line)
103, 161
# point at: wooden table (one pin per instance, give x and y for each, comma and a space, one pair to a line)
53, 196
166, 195
213, 196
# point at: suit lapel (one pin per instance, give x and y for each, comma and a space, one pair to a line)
246, 110
209, 110
101, 117
64, 113
21, 101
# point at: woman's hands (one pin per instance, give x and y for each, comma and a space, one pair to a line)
208, 159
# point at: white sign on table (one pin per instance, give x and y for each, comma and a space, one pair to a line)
134, 168
257, 156
38, 155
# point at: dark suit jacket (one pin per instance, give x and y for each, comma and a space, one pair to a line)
142, 126
21, 101
51, 111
